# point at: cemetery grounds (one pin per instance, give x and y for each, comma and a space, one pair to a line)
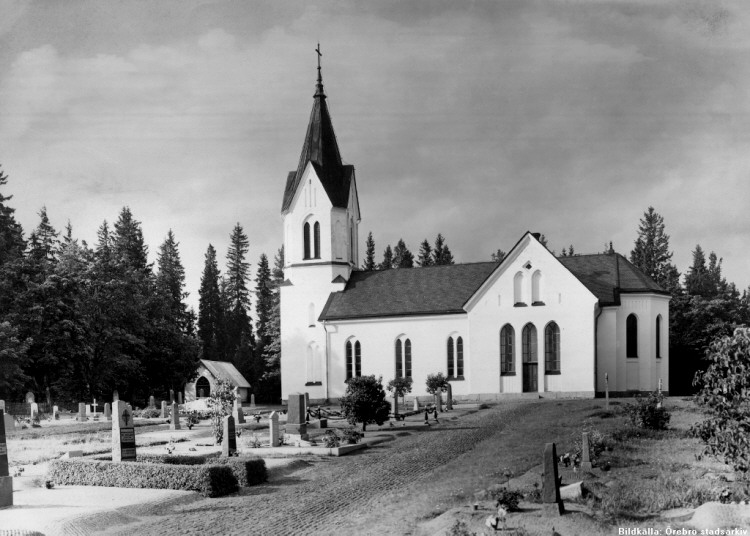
418, 480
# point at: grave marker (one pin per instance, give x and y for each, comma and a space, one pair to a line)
585, 456
179, 397
416, 404
30, 398
171, 396
163, 409
108, 411
273, 429
55, 413
115, 396
237, 413
123, 433
9, 420
551, 484
175, 424
295, 417
252, 401
449, 402
6, 481
81, 412
229, 441
151, 401
34, 413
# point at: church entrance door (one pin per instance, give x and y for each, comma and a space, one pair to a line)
530, 361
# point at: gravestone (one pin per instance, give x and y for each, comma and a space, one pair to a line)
439, 401
307, 401
585, 456
295, 416
273, 429
55, 413
81, 412
551, 484
252, 401
115, 396
94, 410
6, 481
123, 433
171, 396
449, 402
151, 401
163, 409
9, 420
229, 441
175, 424
237, 413
108, 411
30, 398
416, 404
179, 397
34, 413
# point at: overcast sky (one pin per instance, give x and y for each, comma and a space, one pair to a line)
479, 120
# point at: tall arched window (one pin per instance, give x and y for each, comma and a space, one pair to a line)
306, 238
528, 342
316, 228
518, 288
407, 358
658, 337
451, 367
313, 365
353, 360
536, 288
459, 357
399, 359
507, 337
552, 348
631, 336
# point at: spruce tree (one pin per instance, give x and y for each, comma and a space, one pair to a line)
263, 302
170, 279
425, 254
128, 244
11, 233
498, 256
402, 257
210, 313
651, 252
370, 263
441, 253
45, 240
239, 341
272, 333
387, 263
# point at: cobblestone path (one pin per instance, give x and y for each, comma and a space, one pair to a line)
320, 498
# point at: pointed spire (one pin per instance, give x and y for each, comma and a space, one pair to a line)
319, 86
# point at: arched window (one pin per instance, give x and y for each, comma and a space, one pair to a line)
658, 337
536, 288
313, 365
306, 238
528, 342
353, 359
507, 337
451, 368
459, 357
317, 240
357, 359
407, 358
202, 388
399, 359
518, 289
552, 348
631, 336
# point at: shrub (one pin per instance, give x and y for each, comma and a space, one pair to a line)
459, 528
147, 413
725, 393
247, 471
331, 439
364, 401
598, 443
351, 436
213, 480
220, 404
399, 387
648, 413
506, 498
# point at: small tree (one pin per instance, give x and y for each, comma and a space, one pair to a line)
725, 393
436, 384
364, 401
399, 387
220, 404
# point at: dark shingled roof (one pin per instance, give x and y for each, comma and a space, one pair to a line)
446, 289
605, 274
407, 291
321, 148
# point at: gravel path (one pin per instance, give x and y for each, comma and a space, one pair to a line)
322, 497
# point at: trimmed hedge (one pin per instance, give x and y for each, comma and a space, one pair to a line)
210, 480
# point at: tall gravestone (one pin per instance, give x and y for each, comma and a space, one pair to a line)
30, 398
252, 401
163, 414
416, 404
34, 413
115, 396
229, 441
108, 411
123, 433
81, 412
273, 429
551, 484
449, 395
171, 396
175, 423
237, 413
585, 455
9, 421
179, 397
6, 481
151, 401
55, 413
295, 416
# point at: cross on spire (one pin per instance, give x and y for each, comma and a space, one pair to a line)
320, 76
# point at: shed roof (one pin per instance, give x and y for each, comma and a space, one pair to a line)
226, 371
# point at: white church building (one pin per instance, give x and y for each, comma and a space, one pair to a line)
533, 323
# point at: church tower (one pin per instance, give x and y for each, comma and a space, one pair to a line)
320, 211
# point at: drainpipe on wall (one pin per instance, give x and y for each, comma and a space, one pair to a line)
596, 343
328, 357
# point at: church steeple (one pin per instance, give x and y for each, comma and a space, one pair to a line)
321, 149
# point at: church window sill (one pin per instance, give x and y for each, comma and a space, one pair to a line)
313, 383
552, 372
520, 304
538, 304
512, 373
455, 378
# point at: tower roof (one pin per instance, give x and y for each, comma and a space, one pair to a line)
322, 150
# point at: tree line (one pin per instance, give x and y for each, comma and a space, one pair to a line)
78, 321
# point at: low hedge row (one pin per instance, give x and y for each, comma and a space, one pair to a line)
247, 471
214, 480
